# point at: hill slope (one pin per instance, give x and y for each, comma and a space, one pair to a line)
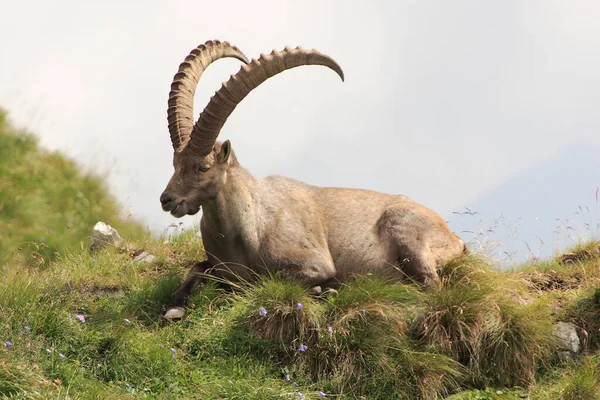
87, 326
46, 204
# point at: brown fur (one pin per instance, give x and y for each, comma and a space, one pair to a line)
312, 234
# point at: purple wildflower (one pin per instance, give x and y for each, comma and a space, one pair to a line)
8, 344
80, 317
94, 260
49, 351
300, 395
329, 329
299, 306
262, 311
302, 348
287, 378
295, 384
173, 351
61, 355
27, 329
364, 313
321, 394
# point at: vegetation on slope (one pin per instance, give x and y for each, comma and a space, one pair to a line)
46, 204
376, 339
88, 325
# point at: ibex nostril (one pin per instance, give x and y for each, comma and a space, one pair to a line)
165, 198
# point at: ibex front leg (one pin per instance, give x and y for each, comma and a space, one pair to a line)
196, 275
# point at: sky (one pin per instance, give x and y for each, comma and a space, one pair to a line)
445, 102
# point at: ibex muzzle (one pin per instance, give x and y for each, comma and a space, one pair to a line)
314, 235
196, 179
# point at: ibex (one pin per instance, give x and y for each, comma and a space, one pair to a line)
315, 235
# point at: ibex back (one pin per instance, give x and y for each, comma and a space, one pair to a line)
311, 234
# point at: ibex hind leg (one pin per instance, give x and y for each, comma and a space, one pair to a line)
422, 259
195, 276
418, 263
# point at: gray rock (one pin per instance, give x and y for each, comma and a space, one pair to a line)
104, 235
143, 257
568, 339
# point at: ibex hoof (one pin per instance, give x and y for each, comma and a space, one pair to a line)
174, 313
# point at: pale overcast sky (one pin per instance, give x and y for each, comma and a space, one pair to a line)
444, 101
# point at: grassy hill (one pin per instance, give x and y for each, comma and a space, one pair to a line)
87, 326
46, 204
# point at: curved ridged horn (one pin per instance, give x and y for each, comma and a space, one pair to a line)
233, 91
180, 113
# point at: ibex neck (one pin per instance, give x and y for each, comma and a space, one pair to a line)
232, 210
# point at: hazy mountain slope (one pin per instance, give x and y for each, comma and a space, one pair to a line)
548, 207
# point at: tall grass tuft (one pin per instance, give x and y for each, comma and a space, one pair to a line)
455, 317
476, 319
277, 309
363, 346
516, 343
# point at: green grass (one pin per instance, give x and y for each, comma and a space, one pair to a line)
386, 338
484, 334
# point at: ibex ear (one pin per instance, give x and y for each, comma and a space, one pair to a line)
224, 153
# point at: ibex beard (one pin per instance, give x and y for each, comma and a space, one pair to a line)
315, 235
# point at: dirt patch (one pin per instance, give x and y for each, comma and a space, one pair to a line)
552, 280
586, 253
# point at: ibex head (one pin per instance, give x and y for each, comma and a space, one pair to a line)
201, 164
196, 179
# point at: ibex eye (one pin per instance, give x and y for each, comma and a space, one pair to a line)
203, 169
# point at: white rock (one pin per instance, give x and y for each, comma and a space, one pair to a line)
568, 339
104, 235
